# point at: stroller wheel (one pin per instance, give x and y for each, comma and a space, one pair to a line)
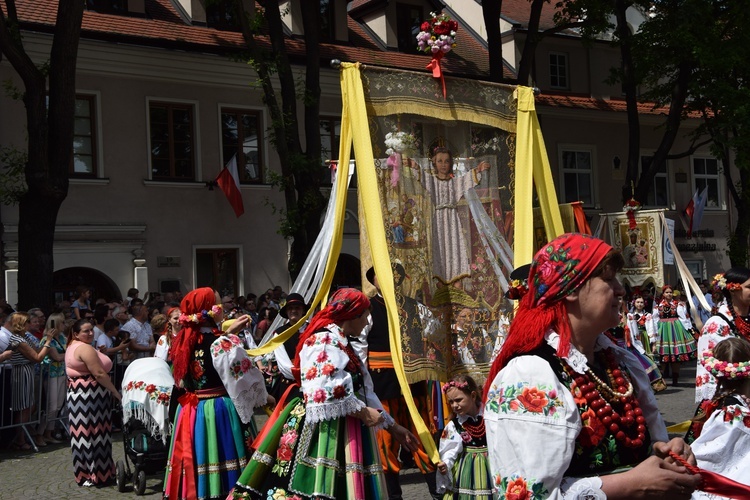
120, 476
140, 483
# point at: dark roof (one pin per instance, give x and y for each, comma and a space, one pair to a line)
560, 100
163, 27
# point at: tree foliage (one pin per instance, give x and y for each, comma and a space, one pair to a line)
300, 176
49, 98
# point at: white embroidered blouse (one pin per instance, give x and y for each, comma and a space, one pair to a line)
714, 331
531, 439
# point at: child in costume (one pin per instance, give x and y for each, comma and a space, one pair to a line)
464, 470
722, 445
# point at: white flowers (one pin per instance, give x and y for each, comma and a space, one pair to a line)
400, 142
438, 34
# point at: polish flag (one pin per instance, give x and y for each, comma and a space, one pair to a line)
229, 182
695, 209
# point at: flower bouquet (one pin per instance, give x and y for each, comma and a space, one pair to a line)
437, 37
398, 144
438, 34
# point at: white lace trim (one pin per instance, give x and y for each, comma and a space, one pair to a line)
328, 411
387, 422
575, 358
247, 400
705, 391
152, 425
582, 488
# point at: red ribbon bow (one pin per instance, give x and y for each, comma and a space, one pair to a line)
437, 70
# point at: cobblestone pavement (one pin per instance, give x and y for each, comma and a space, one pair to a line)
48, 474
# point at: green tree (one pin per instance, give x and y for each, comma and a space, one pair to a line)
300, 177
49, 99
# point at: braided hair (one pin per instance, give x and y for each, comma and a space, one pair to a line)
734, 275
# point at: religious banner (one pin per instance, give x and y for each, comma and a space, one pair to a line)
641, 246
444, 173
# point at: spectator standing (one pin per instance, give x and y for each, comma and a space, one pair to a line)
142, 344
82, 302
89, 390
56, 381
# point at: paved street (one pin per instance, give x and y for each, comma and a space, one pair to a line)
48, 474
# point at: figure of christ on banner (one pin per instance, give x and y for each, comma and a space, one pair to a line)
444, 187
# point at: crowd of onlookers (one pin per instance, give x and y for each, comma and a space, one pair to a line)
33, 346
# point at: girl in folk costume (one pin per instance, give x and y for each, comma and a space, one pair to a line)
323, 444
674, 343
642, 322
220, 389
464, 468
566, 410
731, 319
627, 336
723, 443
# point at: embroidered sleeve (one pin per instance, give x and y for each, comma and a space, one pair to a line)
714, 331
243, 381
651, 328
532, 422
451, 446
327, 387
724, 442
587, 488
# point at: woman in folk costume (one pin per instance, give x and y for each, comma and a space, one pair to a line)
323, 444
642, 325
674, 343
566, 409
731, 319
220, 389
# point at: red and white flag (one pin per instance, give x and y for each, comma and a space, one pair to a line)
694, 210
229, 182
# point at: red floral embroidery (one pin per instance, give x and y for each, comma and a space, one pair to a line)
150, 388
196, 369
593, 430
339, 392
516, 490
319, 396
284, 453
225, 344
328, 369
322, 357
311, 373
533, 399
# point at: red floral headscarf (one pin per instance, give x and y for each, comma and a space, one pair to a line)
344, 304
201, 299
559, 268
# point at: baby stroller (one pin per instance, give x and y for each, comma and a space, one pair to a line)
146, 391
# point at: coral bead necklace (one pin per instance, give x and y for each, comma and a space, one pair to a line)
628, 425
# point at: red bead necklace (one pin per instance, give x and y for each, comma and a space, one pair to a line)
629, 429
743, 326
476, 431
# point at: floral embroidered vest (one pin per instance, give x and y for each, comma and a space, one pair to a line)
608, 454
201, 372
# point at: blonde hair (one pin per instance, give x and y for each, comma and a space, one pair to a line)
18, 322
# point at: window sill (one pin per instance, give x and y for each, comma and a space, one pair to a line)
199, 185
83, 181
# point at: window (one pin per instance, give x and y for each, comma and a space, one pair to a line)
706, 174
408, 20
330, 135
110, 6
84, 137
241, 137
218, 269
577, 176
658, 195
221, 15
327, 25
172, 141
558, 70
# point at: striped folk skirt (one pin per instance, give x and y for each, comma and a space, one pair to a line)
89, 405
471, 476
674, 343
208, 450
22, 381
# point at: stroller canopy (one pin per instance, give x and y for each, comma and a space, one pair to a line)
146, 391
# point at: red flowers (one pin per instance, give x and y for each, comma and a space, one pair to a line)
533, 399
593, 430
516, 490
339, 392
311, 373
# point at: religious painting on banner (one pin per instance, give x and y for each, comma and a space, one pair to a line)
445, 172
641, 247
